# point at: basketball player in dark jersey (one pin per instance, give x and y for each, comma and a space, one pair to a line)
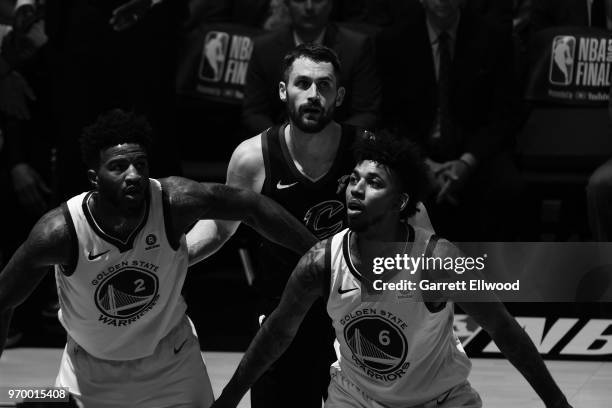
297, 164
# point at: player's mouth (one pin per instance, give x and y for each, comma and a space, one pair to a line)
355, 207
312, 110
133, 191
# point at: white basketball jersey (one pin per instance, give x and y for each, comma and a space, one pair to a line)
123, 296
395, 349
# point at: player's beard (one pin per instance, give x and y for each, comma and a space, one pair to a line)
296, 117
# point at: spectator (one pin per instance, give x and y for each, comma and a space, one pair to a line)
26, 178
551, 13
310, 23
108, 54
266, 14
599, 197
456, 106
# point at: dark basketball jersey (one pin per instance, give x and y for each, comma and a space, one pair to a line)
318, 204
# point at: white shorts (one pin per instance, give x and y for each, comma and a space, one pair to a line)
173, 376
343, 393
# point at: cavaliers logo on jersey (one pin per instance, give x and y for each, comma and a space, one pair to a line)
325, 219
126, 295
379, 347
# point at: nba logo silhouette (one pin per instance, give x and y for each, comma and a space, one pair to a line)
562, 60
212, 64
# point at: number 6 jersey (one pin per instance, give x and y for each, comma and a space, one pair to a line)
395, 349
121, 298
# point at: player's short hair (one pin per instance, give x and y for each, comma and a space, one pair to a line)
314, 52
401, 156
111, 129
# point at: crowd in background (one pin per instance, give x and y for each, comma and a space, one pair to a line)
456, 91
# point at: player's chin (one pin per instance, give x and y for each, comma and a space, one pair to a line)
356, 221
310, 124
133, 199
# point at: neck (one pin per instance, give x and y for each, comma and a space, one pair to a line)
443, 24
102, 208
322, 145
305, 35
390, 230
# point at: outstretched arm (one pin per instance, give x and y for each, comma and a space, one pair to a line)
304, 286
245, 170
48, 244
518, 348
493, 317
190, 201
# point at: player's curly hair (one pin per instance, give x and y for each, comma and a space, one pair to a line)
401, 156
113, 128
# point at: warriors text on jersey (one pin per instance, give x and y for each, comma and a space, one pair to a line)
318, 204
121, 297
395, 349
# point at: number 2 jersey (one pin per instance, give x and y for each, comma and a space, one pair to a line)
120, 298
395, 349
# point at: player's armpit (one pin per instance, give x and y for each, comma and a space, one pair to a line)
304, 286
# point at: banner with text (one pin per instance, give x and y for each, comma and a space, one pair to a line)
570, 65
214, 60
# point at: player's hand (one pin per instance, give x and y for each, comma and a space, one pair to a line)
32, 192
128, 14
454, 175
15, 94
24, 18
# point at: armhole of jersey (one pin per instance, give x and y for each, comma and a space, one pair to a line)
265, 151
327, 271
433, 307
69, 269
175, 243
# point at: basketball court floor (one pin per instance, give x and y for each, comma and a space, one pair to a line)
587, 384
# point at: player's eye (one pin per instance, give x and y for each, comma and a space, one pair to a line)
376, 182
324, 85
302, 84
352, 179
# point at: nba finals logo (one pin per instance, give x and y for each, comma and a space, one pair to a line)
214, 54
562, 61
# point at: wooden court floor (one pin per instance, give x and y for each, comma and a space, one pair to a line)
587, 384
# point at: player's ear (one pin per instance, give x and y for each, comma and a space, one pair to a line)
403, 201
282, 91
340, 96
92, 176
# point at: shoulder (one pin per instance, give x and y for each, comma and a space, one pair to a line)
51, 237
52, 226
247, 162
446, 249
248, 156
312, 267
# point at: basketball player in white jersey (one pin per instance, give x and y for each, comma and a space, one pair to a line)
297, 164
393, 351
121, 258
